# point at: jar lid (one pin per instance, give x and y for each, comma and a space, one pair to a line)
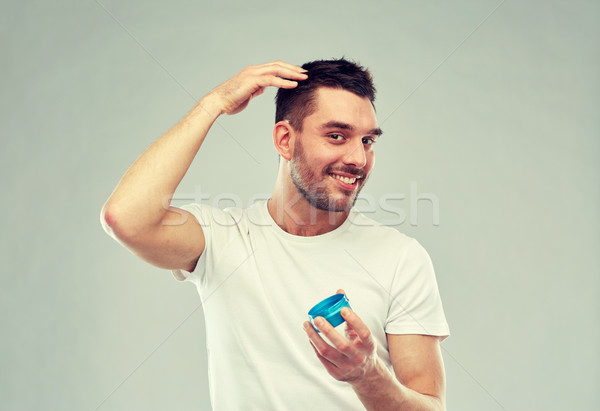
330, 309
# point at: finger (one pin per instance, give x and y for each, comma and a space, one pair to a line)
329, 366
324, 360
324, 349
314, 336
342, 344
280, 82
357, 325
283, 72
350, 333
287, 65
258, 92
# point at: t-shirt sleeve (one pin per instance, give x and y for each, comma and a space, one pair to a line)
219, 228
202, 213
415, 304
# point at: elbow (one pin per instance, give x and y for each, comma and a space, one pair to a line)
439, 404
108, 220
114, 223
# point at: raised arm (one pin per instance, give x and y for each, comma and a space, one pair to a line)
138, 215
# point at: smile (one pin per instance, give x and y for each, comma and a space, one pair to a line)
346, 180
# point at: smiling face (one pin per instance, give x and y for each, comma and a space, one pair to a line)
333, 154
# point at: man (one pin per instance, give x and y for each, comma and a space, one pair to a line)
259, 270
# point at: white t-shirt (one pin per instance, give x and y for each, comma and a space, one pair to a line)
257, 283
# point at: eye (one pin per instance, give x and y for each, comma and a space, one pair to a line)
368, 140
336, 137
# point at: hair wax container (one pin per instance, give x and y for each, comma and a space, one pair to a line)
330, 309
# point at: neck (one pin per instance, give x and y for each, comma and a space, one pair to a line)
295, 215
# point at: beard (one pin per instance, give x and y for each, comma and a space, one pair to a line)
315, 188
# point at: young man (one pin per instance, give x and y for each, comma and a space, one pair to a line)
260, 269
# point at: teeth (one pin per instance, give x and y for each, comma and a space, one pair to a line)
346, 180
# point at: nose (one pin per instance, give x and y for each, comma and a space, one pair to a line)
355, 154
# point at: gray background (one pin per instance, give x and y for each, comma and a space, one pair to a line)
491, 111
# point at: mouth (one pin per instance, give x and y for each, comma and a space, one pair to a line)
346, 182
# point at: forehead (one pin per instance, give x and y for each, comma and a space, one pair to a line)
342, 106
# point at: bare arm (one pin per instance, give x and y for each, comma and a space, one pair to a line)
418, 383
138, 215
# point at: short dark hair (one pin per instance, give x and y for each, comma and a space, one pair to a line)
297, 103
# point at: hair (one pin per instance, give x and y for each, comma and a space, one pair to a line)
297, 103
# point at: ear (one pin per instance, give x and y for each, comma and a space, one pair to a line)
283, 139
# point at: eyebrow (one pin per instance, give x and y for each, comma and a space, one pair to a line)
345, 126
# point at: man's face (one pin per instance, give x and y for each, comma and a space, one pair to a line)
333, 155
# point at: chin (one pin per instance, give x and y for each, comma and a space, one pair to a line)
337, 206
